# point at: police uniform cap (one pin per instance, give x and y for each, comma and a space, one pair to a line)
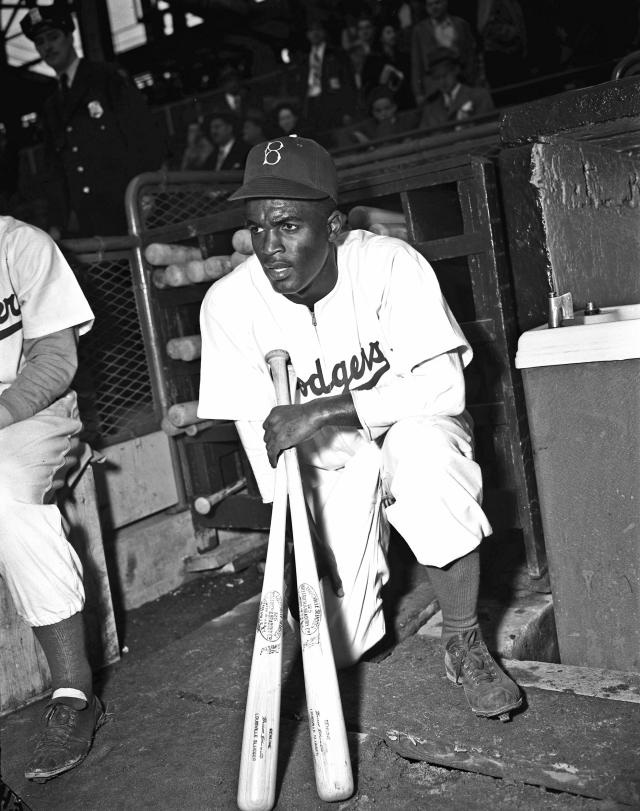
46, 18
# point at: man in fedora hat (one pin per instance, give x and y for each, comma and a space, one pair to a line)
99, 132
453, 100
379, 416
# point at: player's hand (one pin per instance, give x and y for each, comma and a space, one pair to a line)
288, 426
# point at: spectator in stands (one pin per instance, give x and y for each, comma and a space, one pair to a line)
325, 81
233, 96
253, 128
396, 67
287, 120
440, 30
99, 132
361, 83
198, 147
384, 120
454, 101
229, 152
367, 32
503, 39
349, 33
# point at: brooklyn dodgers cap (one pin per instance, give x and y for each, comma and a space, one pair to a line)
43, 18
291, 168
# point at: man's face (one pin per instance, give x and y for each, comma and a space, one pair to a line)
366, 30
383, 109
220, 131
437, 9
286, 119
316, 35
388, 35
55, 48
293, 242
445, 77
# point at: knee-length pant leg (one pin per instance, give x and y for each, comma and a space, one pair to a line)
428, 465
347, 513
41, 569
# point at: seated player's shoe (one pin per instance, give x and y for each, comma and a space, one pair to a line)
488, 690
65, 740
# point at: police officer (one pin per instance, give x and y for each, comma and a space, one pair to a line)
99, 131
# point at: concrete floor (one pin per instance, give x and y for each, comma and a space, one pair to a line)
176, 710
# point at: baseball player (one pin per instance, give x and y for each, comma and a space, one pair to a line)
379, 416
42, 312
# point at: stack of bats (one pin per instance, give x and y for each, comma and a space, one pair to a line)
181, 265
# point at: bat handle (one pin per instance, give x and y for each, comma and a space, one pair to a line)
277, 360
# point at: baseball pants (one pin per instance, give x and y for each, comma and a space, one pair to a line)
41, 569
426, 465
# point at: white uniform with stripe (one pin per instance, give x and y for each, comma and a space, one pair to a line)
39, 295
385, 334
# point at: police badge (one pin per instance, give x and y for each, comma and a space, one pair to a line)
95, 109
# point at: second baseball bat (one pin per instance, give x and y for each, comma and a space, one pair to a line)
329, 745
259, 753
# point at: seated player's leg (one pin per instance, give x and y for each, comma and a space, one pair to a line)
436, 485
44, 576
346, 508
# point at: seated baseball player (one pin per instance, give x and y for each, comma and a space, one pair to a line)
42, 312
379, 416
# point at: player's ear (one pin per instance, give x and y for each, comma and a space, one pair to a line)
335, 224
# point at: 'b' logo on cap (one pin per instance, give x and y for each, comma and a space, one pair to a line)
272, 153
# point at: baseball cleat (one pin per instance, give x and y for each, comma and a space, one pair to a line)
65, 740
488, 690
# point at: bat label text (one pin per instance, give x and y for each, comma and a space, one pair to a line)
310, 609
270, 616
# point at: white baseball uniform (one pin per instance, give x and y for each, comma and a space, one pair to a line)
385, 334
39, 295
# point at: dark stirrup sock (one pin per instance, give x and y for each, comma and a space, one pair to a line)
456, 586
64, 646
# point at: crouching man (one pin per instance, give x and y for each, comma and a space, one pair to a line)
379, 417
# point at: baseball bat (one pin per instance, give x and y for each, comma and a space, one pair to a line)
329, 746
241, 241
209, 269
259, 753
158, 278
203, 504
364, 216
160, 253
176, 276
390, 229
187, 347
195, 428
181, 414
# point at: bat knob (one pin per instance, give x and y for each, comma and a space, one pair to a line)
276, 354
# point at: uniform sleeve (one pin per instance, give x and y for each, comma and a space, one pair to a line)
234, 377
252, 437
50, 364
426, 348
415, 320
49, 295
